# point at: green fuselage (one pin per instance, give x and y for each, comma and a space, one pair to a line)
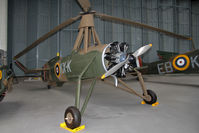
71, 67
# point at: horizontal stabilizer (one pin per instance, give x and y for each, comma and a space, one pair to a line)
27, 71
21, 66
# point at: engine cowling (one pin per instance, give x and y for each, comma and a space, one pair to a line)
115, 53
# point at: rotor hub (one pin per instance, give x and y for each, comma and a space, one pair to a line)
86, 21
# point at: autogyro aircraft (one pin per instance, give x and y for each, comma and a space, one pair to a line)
93, 60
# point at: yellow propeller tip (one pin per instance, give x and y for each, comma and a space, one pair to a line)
103, 76
150, 45
58, 54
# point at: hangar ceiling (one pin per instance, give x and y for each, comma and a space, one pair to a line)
29, 19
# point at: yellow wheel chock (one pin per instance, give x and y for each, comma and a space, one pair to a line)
63, 125
143, 102
155, 104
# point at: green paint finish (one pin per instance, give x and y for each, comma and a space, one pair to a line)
72, 66
165, 55
166, 66
88, 96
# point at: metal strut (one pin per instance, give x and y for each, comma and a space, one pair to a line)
78, 90
141, 82
128, 89
88, 96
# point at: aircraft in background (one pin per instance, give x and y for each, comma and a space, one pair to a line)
171, 62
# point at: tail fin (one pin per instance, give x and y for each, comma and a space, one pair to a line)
29, 71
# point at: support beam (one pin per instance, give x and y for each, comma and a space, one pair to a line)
96, 37
88, 96
89, 37
86, 40
92, 30
79, 39
86, 34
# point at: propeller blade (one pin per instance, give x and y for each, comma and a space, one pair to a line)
85, 4
114, 69
44, 37
142, 50
130, 22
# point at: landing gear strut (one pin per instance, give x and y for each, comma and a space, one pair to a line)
2, 97
72, 116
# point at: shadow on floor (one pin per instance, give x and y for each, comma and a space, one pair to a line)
9, 109
178, 84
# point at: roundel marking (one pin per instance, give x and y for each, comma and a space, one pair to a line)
57, 70
181, 62
0, 74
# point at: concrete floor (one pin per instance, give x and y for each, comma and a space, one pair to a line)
31, 108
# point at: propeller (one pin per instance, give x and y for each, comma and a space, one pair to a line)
44, 37
136, 54
142, 50
115, 68
85, 4
133, 23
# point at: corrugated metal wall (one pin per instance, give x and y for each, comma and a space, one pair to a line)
29, 19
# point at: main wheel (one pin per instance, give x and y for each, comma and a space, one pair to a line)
72, 117
2, 97
153, 97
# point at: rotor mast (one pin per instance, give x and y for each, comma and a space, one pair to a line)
87, 33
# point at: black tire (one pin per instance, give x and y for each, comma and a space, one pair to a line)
72, 117
153, 97
2, 97
49, 86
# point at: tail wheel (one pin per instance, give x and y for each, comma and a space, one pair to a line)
2, 97
153, 96
72, 117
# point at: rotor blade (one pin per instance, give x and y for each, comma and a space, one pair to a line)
115, 68
130, 22
142, 50
44, 37
85, 4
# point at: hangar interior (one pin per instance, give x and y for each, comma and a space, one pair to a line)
32, 108
29, 19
